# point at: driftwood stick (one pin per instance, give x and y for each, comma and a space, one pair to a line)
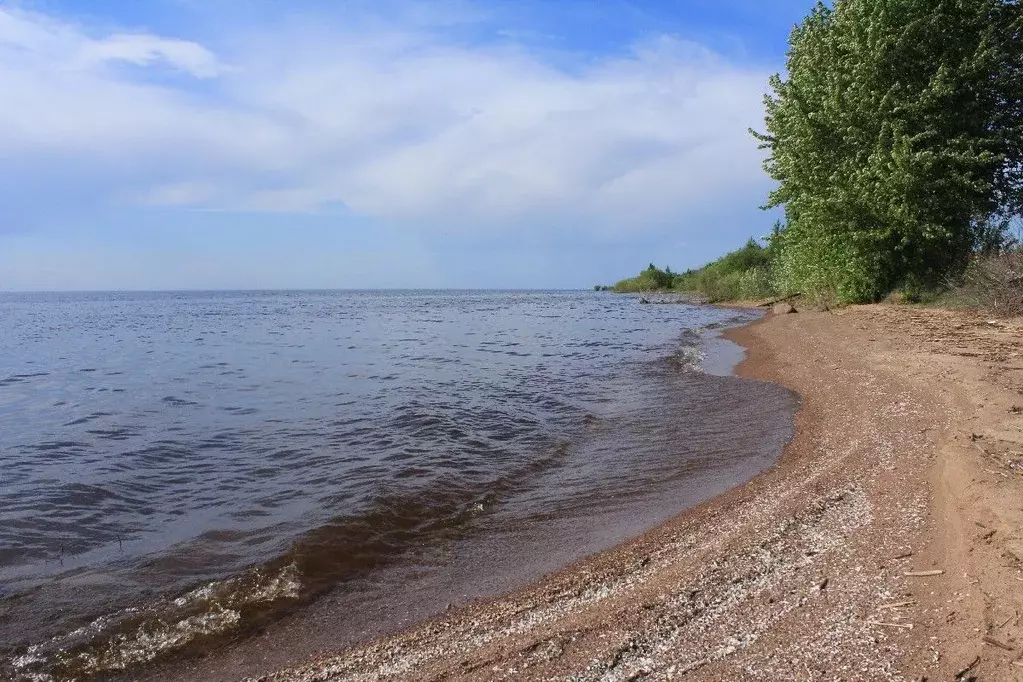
779, 300
904, 626
897, 605
987, 639
923, 574
965, 671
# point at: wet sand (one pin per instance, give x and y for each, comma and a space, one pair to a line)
907, 458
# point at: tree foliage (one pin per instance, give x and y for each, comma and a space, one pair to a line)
740, 275
650, 279
743, 274
896, 140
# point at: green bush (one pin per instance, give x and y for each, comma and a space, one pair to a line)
894, 139
651, 279
743, 274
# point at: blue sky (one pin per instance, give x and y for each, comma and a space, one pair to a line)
311, 144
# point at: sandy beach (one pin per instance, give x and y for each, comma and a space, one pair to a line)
884, 545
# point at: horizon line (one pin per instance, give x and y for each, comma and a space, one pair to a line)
288, 289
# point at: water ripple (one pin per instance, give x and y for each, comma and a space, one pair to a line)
182, 467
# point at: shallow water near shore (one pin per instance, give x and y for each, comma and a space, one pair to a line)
178, 470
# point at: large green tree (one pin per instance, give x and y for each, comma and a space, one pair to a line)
895, 139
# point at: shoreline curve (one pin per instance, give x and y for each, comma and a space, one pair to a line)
881, 545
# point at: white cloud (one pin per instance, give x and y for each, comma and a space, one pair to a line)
394, 122
143, 50
35, 42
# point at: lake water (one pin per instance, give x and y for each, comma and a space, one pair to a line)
179, 469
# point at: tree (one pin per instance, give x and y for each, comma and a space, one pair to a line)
896, 141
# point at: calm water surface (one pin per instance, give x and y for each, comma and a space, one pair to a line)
177, 469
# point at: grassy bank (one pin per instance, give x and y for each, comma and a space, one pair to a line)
743, 274
992, 281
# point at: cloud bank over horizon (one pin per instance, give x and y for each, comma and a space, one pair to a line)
413, 126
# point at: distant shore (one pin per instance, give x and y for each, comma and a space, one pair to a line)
883, 545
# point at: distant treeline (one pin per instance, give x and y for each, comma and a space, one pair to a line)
896, 140
744, 274
992, 280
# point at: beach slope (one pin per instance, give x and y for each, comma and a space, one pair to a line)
885, 543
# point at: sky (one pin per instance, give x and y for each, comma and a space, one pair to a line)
230, 144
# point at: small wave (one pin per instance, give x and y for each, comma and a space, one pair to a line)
88, 418
138, 635
688, 359
48, 446
342, 549
18, 378
177, 402
345, 462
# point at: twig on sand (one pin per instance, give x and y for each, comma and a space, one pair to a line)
966, 671
923, 574
897, 605
988, 639
904, 626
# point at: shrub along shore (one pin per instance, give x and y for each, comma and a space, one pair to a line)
992, 282
895, 138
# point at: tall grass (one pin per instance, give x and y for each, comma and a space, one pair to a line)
992, 283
